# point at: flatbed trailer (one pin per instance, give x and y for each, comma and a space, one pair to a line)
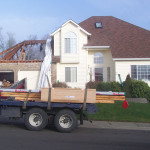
36, 114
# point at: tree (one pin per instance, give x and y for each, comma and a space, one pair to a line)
2, 43
11, 40
127, 86
32, 37
45, 37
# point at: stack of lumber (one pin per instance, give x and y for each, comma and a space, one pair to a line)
64, 95
22, 96
109, 98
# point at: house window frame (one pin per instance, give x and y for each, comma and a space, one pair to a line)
140, 72
101, 76
69, 74
98, 58
70, 43
98, 25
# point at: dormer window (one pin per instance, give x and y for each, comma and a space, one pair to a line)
70, 42
98, 25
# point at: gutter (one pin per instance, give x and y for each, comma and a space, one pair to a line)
126, 59
96, 47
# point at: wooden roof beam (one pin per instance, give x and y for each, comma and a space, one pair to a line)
32, 42
9, 49
21, 52
12, 53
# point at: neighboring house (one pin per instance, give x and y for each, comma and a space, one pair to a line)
100, 49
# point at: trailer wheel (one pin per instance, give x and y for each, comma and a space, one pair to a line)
65, 121
36, 119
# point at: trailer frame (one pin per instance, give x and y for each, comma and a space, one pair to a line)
15, 109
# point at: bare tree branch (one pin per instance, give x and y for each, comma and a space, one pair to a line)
11, 40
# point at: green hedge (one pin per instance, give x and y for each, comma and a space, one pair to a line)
140, 89
133, 88
109, 86
104, 86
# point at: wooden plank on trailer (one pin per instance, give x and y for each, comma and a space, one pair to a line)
105, 101
110, 93
13, 94
68, 95
106, 97
29, 99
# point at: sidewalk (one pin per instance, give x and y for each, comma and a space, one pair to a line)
116, 125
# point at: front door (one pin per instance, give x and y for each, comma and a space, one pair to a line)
98, 74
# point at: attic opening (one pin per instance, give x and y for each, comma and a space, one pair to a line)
6, 77
98, 25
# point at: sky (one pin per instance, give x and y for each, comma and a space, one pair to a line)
40, 17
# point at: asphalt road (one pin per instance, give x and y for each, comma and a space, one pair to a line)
14, 136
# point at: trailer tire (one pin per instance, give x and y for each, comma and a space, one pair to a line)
65, 121
36, 119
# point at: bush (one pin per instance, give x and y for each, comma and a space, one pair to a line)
140, 89
109, 86
127, 86
92, 85
104, 86
60, 84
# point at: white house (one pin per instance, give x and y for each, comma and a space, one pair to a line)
101, 48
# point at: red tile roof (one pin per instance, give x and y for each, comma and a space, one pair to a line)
125, 40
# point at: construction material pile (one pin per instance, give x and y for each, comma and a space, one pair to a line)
109, 97
5, 84
63, 95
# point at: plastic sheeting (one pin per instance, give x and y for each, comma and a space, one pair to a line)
45, 73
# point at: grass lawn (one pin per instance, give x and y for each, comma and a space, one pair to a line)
136, 112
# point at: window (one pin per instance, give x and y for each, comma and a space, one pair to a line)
108, 74
98, 74
98, 58
140, 72
70, 43
70, 74
98, 25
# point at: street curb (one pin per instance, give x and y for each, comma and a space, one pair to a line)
116, 125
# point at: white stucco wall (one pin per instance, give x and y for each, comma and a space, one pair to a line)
124, 68
32, 78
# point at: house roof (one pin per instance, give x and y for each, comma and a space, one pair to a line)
83, 30
125, 39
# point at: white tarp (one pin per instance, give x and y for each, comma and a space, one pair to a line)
45, 73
